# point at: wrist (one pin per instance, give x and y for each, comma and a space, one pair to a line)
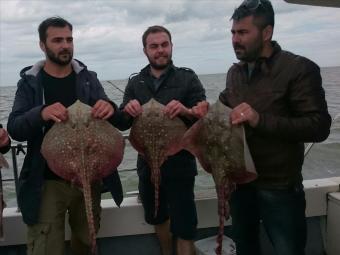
255, 121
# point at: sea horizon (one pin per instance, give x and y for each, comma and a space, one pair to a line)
125, 79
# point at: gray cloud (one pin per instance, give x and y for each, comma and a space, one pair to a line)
107, 34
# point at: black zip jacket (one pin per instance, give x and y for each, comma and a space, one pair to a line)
180, 84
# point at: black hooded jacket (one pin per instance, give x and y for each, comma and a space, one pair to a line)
26, 124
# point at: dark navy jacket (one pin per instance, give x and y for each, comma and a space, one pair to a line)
26, 124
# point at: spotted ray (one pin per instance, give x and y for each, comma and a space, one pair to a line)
3, 164
222, 151
155, 136
83, 150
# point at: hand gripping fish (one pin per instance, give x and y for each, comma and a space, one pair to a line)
3, 164
155, 136
83, 150
222, 150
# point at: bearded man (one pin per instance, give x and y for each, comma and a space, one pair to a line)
278, 97
44, 92
180, 90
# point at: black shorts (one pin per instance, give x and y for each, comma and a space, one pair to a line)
176, 201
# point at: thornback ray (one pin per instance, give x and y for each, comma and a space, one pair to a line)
155, 136
3, 164
83, 150
222, 150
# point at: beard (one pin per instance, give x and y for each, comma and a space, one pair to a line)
250, 53
160, 65
62, 58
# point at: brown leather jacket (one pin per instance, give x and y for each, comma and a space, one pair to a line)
286, 91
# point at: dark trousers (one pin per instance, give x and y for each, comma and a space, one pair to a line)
282, 213
176, 201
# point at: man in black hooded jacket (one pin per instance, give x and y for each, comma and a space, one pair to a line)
44, 92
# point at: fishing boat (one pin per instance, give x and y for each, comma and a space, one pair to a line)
124, 231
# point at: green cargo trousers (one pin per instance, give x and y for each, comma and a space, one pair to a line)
48, 236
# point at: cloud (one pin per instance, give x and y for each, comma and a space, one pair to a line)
107, 34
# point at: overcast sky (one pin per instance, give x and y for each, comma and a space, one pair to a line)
107, 34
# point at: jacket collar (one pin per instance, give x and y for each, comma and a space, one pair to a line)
31, 73
36, 68
146, 70
264, 63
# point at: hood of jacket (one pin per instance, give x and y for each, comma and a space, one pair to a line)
33, 70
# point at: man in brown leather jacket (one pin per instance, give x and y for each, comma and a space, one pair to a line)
278, 97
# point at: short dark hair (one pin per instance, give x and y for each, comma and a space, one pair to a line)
154, 29
51, 22
262, 10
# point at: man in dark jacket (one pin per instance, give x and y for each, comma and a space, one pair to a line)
179, 89
44, 92
279, 98
5, 141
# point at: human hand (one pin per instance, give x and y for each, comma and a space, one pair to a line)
102, 110
133, 108
175, 108
200, 109
244, 113
56, 112
4, 138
